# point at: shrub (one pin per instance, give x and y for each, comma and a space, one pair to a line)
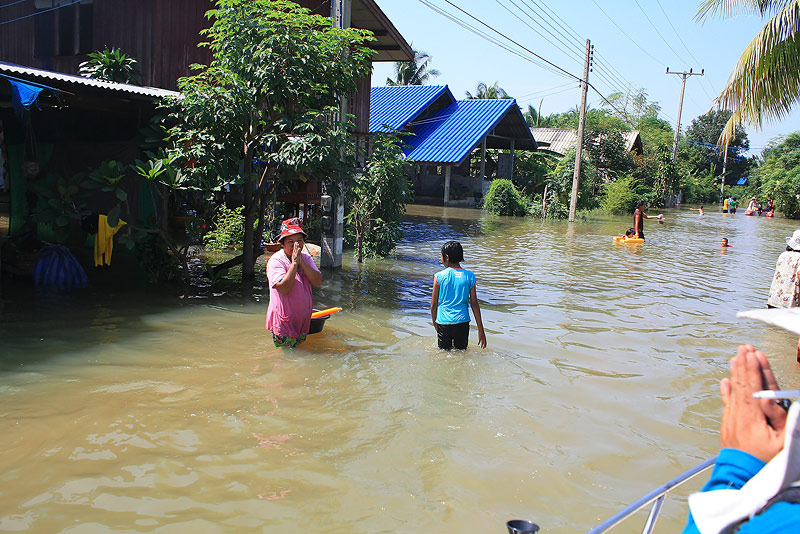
504, 199
619, 197
228, 229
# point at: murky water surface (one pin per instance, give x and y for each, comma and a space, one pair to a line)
132, 411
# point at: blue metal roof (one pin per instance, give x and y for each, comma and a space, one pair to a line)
396, 106
449, 136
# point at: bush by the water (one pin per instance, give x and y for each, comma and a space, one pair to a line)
619, 197
228, 229
504, 199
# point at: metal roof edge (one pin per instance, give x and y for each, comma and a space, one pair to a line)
88, 82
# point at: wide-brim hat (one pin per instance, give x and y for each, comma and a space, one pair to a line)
786, 318
794, 241
291, 227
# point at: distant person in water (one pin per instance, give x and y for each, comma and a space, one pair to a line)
453, 289
630, 233
732, 205
639, 216
724, 243
700, 209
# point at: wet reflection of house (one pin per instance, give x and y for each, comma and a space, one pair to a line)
444, 134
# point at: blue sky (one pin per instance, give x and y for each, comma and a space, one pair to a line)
628, 50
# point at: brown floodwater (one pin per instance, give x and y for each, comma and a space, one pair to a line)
131, 409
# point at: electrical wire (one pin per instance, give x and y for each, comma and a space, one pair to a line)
628, 36
493, 40
658, 32
513, 41
42, 12
13, 3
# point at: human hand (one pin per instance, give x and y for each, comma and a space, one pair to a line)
297, 253
482, 339
751, 425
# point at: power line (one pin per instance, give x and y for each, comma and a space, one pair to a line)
39, 12
570, 84
567, 44
628, 36
13, 3
513, 41
465, 25
658, 32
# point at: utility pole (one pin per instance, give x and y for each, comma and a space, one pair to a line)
683, 75
576, 176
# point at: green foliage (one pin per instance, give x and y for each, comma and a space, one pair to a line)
227, 229
377, 199
780, 175
703, 154
560, 182
531, 170
607, 150
504, 199
60, 203
155, 259
619, 198
490, 92
414, 72
271, 94
111, 66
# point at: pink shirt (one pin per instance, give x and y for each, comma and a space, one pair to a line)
290, 314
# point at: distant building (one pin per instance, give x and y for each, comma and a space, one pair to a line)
560, 140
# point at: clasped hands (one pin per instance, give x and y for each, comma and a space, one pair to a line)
755, 426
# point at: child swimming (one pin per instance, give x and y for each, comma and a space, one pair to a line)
453, 289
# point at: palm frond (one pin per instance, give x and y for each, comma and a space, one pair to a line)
729, 8
765, 83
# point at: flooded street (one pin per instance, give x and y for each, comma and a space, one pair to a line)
137, 411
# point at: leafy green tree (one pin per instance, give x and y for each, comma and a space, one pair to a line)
535, 119
559, 181
272, 94
780, 174
414, 72
703, 153
607, 150
765, 82
111, 66
488, 92
377, 199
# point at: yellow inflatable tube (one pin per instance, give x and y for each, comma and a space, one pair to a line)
621, 239
325, 313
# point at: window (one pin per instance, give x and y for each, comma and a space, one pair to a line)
62, 28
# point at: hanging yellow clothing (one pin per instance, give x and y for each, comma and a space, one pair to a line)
104, 240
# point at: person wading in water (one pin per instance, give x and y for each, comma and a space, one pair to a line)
639, 216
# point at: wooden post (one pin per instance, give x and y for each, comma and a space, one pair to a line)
576, 176
511, 171
447, 185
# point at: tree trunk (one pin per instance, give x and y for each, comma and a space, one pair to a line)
248, 258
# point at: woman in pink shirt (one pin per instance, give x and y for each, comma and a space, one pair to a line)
291, 273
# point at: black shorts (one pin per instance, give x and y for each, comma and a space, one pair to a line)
450, 335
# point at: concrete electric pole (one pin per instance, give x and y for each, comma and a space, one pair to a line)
683, 75
576, 177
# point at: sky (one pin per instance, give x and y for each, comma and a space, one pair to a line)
634, 43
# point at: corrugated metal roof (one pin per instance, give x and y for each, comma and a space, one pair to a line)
40, 74
451, 134
396, 106
562, 139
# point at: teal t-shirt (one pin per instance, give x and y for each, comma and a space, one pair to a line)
454, 288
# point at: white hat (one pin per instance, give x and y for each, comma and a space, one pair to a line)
786, 318
794, 241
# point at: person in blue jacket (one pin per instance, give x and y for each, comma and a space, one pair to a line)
453, 289
751, 434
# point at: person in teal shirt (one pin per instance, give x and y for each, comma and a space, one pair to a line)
453, 289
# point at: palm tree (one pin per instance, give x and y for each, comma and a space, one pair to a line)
414, 72
488, 92
765, 83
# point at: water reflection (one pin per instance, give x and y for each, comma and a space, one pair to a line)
141, 410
